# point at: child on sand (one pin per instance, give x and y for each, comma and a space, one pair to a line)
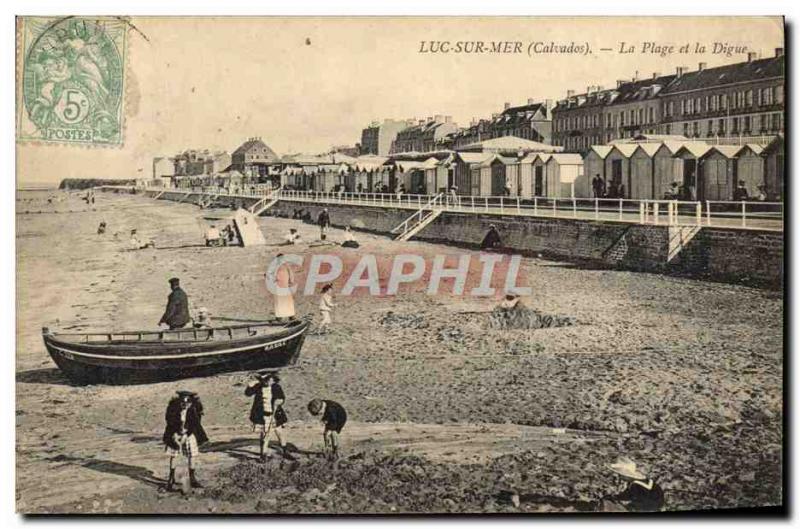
334, 416
642, 494
326, 305
184, 434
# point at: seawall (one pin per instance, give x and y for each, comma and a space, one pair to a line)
733, 255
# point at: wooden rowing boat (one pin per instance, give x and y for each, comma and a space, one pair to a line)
150, 356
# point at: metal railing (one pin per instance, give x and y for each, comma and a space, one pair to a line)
419, 215
714, 213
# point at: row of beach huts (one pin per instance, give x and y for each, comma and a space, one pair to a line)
646, 167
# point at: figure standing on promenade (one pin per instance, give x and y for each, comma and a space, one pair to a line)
326, 305
740, 193
176, 314
284, 280
268, 399
597, 186
324, 221
641, 493
101, 229
334, 418
184, 434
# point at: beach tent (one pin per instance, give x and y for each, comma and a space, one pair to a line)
750, 167
618, 166
563, 169
690, 155
593, 164
247, 229
774, 168
642, 171
666, 169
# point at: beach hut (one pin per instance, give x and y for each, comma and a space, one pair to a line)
467, 171
541, 182
593, 164
716, 177
437, 174
774, 168
642, 172
666, 169
618, 169
690, 155
562, 172
525, 176
750, 168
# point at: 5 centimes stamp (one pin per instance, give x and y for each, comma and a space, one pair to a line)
72, 80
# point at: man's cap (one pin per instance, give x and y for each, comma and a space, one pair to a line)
267, 374
182, 393
174, 281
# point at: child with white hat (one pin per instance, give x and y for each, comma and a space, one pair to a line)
641, 494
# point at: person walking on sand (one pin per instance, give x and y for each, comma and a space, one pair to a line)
184, 434
284, 280
334, 417
324, 221
642, 494
267, 413
176, 315
325, 307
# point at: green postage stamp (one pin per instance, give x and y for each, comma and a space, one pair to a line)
71, 84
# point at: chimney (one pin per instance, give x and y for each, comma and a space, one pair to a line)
570, 93
621, 82
701, 66
548, 104
506, 106
751, 56
656, 75
530, 100
680, 70
778, 52
589, 90
448, 119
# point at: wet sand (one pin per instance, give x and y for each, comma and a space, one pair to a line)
683, 376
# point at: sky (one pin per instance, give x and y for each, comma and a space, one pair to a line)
305, 84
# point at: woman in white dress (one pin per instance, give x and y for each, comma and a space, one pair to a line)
284, 280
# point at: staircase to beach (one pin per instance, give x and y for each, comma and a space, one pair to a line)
265, 203
426, 214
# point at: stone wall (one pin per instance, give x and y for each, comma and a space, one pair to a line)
731, 255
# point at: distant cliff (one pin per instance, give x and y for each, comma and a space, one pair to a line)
85, 183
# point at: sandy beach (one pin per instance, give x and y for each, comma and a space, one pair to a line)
683, 376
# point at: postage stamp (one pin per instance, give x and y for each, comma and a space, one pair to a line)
71, 87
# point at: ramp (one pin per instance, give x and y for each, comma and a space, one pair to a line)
247, 229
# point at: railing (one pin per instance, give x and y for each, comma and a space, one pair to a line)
403, 227
746, 214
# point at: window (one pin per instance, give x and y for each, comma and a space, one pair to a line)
710, 130
723, 101
641, 116
778, 94
749, 98
686, 129
746, 125
668, 129
721, 126
690, 106
735, 127
776, 122
762, 127
652, 113
683, 106
695, 128
671, 109
697, 105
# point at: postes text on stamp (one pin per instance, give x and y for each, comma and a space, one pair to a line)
72, 80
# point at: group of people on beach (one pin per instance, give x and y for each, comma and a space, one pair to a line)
184, 433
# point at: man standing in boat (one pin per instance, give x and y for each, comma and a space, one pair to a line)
267, 412
184, 434
177, 313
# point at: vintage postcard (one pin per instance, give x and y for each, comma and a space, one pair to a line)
375, 265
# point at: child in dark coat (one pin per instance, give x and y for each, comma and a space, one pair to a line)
184, 433
267, 413
334, 417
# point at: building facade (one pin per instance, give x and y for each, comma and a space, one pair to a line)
742, 100
378, 137
736, 103
424, 136
254, 158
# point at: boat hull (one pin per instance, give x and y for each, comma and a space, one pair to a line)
138, 363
